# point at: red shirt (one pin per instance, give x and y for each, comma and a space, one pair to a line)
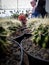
22, 18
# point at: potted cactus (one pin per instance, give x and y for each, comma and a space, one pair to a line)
10, 51
37, 46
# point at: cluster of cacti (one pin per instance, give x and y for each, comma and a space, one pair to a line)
10, 27
3, 40
41, 36
10, 51
6, 29
2, 31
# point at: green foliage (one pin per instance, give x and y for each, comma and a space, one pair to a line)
15, 15
41, 36
3, 40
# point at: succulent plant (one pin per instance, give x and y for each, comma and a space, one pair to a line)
41, 36
3, 40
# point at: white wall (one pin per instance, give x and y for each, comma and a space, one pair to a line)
47, 6
12, 4
0, 4
24, 4
9, 4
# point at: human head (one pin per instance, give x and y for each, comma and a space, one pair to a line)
22, 18
33, 3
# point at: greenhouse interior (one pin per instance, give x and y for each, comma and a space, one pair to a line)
24, 32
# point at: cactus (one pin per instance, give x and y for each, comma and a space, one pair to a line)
41, 36
3, 40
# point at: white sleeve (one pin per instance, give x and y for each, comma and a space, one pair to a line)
36, 3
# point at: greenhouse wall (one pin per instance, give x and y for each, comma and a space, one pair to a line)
18, 4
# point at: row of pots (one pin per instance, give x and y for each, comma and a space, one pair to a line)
32, 59
12, 53
18, 40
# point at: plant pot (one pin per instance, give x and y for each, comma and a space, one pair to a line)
17, 34
20, 34
15, 37
34, 60
32, 56
20, 38
14, 57
21, 60
27, 31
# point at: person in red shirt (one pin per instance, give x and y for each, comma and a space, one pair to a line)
22, 18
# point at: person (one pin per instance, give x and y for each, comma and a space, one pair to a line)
22, 18
39, 8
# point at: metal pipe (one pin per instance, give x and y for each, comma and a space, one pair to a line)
17, 5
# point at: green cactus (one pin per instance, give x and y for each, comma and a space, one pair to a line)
41, 36
44, 45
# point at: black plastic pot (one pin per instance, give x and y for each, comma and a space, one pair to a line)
16, 38
21, 61
20, 38
14, 56
35, 60
24, 34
